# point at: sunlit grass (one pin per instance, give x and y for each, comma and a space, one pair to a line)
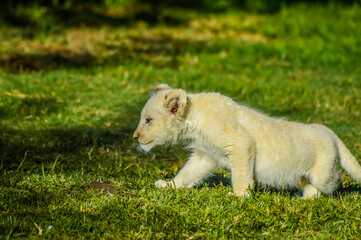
72, 91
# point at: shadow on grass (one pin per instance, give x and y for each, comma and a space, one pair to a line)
93, 13
37, 143
58, 18
218, 179
36, 62
159, 51
42, 146
348, 190
84, 16
30, 106
96, 13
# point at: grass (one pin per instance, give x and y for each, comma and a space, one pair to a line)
72, 89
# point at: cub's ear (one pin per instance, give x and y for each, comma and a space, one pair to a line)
161, 87
175, 101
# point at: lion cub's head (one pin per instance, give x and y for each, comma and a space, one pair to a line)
161, 119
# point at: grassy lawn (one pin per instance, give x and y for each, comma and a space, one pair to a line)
73, 81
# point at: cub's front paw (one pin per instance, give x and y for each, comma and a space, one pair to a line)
242, 194
161, 184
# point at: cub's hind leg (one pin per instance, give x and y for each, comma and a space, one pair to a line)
324, 176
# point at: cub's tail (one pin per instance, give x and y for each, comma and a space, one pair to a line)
349, 162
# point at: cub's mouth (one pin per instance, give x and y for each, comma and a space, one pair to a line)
147, 146
146, 143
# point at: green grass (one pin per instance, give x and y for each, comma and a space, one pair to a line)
72, 90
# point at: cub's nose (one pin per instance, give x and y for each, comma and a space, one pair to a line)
136, 135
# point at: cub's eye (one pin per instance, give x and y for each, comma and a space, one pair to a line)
148, 120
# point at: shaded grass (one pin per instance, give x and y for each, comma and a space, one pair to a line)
71, 100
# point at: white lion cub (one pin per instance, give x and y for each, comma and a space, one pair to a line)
255, 147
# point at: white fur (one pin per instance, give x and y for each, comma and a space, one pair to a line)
255, 147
